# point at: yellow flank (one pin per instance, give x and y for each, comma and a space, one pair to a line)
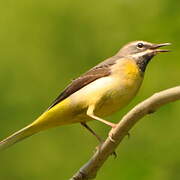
56, 116
108, 94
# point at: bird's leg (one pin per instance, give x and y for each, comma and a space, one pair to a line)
98, 137
91, 131
90, 113
94, 134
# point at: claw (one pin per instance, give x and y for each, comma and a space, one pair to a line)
98, 148
128, 135
114, 154
111, 137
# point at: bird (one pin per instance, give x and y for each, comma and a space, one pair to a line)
99, 92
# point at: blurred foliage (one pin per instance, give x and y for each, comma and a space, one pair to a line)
44, 44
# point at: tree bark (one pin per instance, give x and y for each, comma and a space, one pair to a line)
150, 105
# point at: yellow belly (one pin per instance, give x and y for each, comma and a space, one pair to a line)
108, 94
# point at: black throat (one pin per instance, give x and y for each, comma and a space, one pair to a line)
143, 61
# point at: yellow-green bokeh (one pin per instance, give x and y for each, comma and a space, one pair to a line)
44, 45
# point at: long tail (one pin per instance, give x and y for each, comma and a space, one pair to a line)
17, 136
49, 119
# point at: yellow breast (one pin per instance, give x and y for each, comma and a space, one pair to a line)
127, 79
127, 69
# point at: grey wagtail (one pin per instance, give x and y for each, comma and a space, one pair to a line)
99, 92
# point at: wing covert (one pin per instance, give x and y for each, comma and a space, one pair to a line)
101, 70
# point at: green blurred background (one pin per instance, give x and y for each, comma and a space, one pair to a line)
44, 44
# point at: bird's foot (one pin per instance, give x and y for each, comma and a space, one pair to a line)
114, 154
111, 133
98, 148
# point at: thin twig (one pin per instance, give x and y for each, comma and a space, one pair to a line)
150, 105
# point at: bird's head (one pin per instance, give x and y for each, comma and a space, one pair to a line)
142, 52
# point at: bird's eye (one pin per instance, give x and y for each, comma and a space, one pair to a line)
140, 45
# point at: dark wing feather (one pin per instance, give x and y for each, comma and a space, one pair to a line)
101, 70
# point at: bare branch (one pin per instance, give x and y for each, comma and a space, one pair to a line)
89, 170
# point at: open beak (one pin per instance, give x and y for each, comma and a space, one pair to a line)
156, 46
